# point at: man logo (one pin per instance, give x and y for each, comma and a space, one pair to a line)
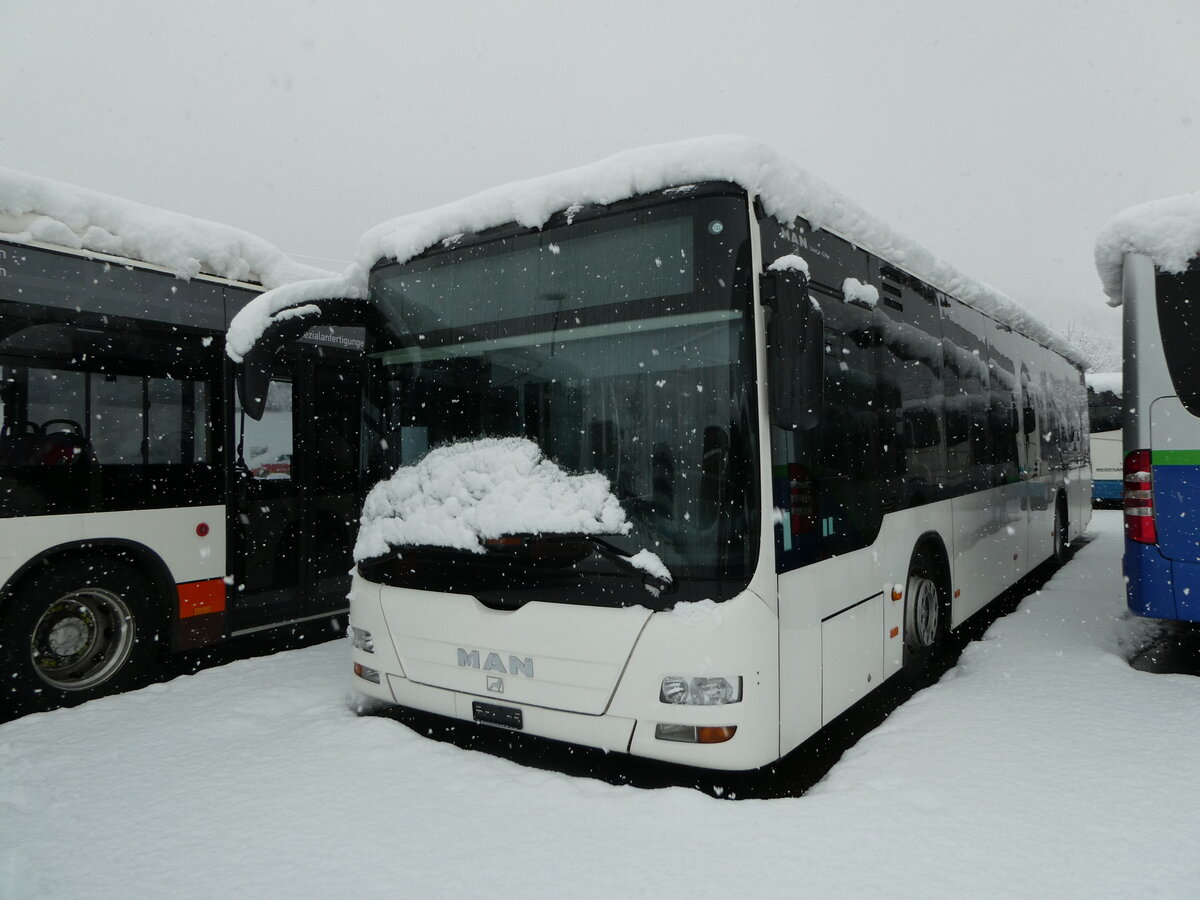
469, 659
495, 684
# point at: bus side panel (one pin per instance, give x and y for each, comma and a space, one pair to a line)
824, 607
169, 533
1175, 468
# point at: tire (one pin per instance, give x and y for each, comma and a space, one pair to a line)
76, 629
926, 610
1061, 543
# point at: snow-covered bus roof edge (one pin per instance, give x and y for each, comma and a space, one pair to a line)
785, 190
1105, 381
1166, 230
42, 212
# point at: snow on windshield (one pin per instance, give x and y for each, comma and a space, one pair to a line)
785, 189
462, 494
1167, 230
33, 208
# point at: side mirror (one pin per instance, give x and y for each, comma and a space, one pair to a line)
795, 350
254, 372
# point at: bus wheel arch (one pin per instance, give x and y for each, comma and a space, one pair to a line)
78, 622
926, 601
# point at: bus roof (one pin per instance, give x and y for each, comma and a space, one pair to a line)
785, 190
39, 209
1167, 231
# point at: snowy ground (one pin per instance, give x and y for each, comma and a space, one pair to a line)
1042, 765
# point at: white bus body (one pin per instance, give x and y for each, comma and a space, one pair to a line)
969, 487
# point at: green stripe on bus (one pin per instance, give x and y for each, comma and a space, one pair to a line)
1175, 457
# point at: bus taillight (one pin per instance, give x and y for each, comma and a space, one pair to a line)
1139, 499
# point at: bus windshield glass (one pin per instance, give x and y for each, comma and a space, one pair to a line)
620, 343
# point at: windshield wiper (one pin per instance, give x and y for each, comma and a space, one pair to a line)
656, 584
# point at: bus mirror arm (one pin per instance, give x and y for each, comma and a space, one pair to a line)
795, 350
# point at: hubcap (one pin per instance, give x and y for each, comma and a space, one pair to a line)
82, 639
925, 612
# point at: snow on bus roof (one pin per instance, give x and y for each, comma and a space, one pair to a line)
1166, 230
1105, 381
786, 191
33, 208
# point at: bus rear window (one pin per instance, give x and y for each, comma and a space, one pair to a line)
1179, 323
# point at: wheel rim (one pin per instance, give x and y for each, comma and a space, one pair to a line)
82, 639
925, 611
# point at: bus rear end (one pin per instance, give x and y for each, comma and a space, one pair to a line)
1161, 470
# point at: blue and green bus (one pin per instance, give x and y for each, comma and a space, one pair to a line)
1160, 292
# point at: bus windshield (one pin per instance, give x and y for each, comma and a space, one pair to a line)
619, 343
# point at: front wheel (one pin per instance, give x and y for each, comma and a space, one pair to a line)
77, 629
1061, 543
926, 612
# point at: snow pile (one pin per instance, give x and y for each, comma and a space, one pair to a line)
854, 291
651, 564
1167, 231
462, 494
52, 212
785, 189
790, 263
1105, 381
1042, 766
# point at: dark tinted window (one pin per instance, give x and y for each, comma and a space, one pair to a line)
1104, 411
1179, 322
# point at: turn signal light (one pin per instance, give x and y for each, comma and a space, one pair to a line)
366, 673
695, 734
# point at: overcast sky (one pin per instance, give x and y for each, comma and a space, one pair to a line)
1000, 135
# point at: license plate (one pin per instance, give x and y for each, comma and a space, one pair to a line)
504, 716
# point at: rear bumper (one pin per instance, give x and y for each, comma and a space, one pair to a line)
1160, 588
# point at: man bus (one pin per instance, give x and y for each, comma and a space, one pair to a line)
818, 448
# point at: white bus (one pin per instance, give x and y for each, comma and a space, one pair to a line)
824, 447
1149, 261
1104, 421
130, 524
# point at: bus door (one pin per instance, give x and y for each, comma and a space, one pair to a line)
326, 471
264, 511
295, 505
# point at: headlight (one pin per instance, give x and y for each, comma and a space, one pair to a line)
700, 691
360, 639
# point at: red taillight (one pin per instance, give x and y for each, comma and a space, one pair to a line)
1139, 499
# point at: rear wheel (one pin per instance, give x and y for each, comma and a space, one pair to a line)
74, 630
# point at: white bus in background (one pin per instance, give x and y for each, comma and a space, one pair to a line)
818, 457
1104, 419
130, 524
